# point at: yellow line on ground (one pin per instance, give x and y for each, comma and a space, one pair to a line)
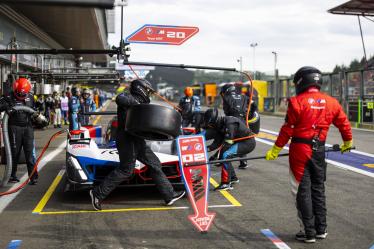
125, 210
113, 210
226, 194
48, 194
369, 165
99, 117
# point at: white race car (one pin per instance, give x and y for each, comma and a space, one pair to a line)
89, 160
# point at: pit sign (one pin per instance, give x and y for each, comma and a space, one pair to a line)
162, 34
192, 149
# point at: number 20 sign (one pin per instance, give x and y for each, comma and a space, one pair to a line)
162, 34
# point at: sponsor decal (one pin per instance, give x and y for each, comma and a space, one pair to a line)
110, 152
192, 149
198, 147
79, 146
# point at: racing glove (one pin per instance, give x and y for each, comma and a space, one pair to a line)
40, 119
346, 146
272, 154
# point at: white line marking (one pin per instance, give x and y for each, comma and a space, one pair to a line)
6, 200
347, 167
361, 129
269, 131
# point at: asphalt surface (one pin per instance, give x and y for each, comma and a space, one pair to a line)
136, 217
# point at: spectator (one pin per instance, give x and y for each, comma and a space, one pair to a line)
48, 108
56, 110
64, 107
68, 92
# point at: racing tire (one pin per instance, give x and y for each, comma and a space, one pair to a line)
153, 122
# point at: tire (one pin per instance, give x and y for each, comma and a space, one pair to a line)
153, 122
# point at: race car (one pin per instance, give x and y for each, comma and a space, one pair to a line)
89, 158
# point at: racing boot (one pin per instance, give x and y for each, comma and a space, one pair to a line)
176, 197
224, 186
234, 180
243, 165
301, 236
96, 203
13, 179
322, 235
33, 181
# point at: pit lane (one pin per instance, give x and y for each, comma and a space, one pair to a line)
263, 193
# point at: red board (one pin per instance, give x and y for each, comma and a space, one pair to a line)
196, 178
162, 34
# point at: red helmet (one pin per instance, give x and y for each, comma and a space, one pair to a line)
188, 91
21, 88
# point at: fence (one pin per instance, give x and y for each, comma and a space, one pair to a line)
353, 89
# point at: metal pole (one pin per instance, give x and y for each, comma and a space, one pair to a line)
334, 148
362, 40
60, 51
137, 63
253, 45
121, 26
240, 60
241, 64
275, 81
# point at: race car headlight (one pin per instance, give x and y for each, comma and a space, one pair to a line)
74, 162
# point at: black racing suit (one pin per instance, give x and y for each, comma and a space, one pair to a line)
190, 108
229, 129
21, 131
236, 105
130, 149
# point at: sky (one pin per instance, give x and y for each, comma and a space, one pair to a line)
301, 32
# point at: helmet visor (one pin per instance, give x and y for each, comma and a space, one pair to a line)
21, 95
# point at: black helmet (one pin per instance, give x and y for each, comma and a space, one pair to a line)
74, 91
211, 117
228, 88
306, 77
141, 88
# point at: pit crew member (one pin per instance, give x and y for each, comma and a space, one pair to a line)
21, 131
228, 129
236, 105
87, 105
190, 107
132, 148
309, 116
74, 106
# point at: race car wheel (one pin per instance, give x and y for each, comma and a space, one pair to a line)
153, 122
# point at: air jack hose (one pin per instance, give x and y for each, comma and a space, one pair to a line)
8, 151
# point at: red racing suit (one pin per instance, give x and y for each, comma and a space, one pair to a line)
309, 116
